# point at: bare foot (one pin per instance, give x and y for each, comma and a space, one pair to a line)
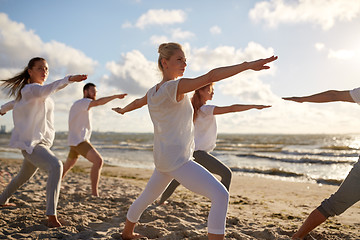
53, 222
132, 236
8, 205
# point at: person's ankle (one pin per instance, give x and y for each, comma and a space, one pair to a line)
53, 221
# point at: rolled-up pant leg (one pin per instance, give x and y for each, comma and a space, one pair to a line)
346, 196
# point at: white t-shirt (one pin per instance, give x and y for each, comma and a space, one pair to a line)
33, 115
79, 122
355, 94
205, 129
173, 126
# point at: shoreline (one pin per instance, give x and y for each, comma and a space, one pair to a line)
259, 208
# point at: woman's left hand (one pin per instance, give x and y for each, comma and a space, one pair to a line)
78, 78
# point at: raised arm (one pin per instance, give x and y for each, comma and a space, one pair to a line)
104, 100
188, 85
237, 108
137, 103
323, 97
7, 107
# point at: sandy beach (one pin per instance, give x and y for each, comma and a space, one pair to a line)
260, 208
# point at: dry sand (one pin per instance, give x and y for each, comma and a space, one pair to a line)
259, 208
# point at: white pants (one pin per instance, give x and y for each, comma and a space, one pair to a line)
195, 178
43, 158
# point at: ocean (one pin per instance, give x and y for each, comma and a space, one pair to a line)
321, 158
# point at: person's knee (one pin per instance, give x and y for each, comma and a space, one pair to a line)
223, 195
229, 175
56, 167
71, 162
98, 162
226, 178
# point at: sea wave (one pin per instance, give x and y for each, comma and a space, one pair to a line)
294, 159
287, 174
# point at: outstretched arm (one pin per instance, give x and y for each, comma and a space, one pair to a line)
104, 100
323, 97
137, 103
237, 108
7, 107
188, 85
47, 89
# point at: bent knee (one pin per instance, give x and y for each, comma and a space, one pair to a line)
56, 166
98, 162
228, 175
222, 194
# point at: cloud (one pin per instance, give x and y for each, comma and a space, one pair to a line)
157, 40
160, 17
18, 45
134, 74
342, 54
247, 85
320, 12
215, 30
176, 36
127, 24
204, 59
179, 35
319, 46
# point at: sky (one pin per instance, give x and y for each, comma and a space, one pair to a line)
115, 42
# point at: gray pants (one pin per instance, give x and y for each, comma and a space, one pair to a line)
43, 158
212, 164
346, 196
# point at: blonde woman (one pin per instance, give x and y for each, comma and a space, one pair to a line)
33, 133
172, 116
205, 133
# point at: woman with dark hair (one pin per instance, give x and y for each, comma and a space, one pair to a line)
34, 133
205, 133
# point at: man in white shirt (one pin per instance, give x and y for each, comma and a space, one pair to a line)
80, 133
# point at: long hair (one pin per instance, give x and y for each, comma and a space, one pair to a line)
166, 50
196, 100
16, 83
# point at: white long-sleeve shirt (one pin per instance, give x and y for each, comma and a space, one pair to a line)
7, 107
33, 115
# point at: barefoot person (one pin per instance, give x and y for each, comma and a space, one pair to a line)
205, 132
172, 116
348, 193
80, 133
33, 133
